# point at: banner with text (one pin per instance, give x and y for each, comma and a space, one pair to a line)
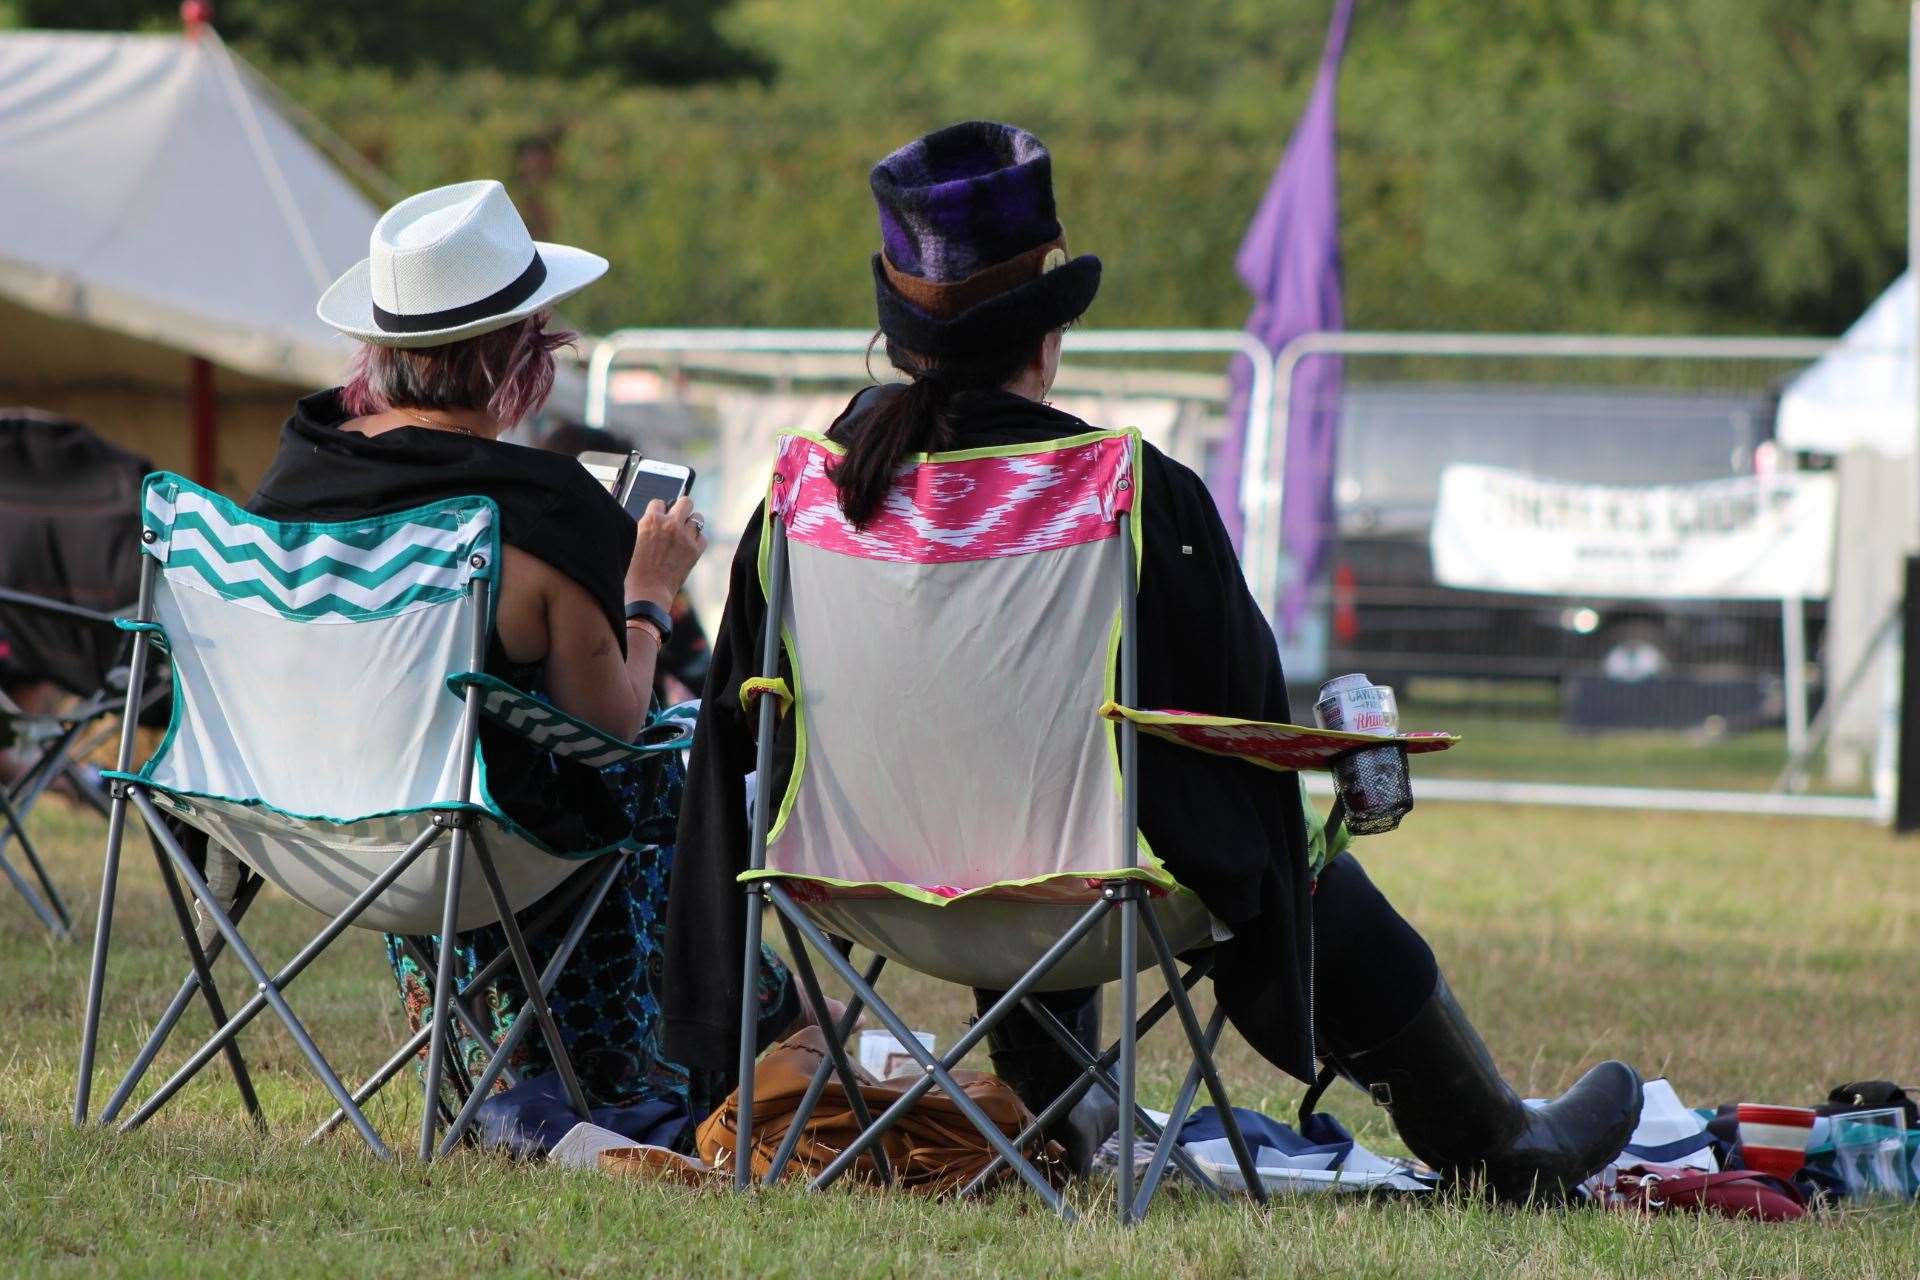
1749, 538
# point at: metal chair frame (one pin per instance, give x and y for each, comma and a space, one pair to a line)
63, 739
454, 829
1127, 896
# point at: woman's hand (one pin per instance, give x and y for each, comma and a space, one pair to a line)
668, 544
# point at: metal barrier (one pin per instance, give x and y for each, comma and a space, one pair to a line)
1425, 370
1740, 367
1260, 493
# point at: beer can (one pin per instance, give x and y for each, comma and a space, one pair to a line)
1355, 704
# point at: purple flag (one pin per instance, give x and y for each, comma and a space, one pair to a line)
1290, 262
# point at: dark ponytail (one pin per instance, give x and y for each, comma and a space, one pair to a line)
918, 418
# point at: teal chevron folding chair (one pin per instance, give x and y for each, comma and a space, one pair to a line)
326, 732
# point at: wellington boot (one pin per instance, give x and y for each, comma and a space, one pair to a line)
1453, 1109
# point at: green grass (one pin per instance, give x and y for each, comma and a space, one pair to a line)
1746, 959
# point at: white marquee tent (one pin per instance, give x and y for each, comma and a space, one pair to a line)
159, 217
1860, 395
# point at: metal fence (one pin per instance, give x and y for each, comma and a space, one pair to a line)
1575, 698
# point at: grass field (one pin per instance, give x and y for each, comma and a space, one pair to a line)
1745, 959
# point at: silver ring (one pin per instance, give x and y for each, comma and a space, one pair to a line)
698, 522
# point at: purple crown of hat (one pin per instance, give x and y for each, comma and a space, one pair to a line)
964, 198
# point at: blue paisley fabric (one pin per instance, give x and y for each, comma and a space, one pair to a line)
606, 1000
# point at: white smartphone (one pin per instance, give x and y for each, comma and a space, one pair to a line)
646, 479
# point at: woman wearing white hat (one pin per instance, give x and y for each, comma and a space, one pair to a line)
451, 308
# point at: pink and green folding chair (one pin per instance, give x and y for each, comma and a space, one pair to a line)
963, 799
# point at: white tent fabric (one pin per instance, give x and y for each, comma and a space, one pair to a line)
1860, 396
151, 188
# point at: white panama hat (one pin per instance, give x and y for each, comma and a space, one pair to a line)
452, 263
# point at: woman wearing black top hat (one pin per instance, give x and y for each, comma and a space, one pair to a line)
452, 314
974, 287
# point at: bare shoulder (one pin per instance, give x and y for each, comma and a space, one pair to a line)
530, 592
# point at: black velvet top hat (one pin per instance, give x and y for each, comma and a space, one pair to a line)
973, 258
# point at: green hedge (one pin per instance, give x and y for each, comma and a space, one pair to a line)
1720, 165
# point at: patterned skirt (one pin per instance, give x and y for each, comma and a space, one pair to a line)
606, 1000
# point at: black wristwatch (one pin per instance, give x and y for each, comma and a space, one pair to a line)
649, 612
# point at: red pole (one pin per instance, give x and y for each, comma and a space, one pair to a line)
203, 422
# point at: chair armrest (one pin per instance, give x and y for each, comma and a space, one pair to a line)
1287, 748
557, 733
58, 608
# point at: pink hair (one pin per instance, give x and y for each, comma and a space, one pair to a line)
508, 373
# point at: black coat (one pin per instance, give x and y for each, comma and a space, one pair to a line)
1232, 832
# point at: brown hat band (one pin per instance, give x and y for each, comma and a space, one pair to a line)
944, 301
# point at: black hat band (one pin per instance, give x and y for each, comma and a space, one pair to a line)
500, 300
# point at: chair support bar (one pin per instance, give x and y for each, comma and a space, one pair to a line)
523, 1021
163, 1029
1096, 1071
1215, 1087
268, 991
268, 986
818, 1085
836, 1047
938, 1070
588, 882
203, 971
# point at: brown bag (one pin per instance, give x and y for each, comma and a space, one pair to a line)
932, 1149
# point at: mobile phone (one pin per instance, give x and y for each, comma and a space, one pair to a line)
647, 479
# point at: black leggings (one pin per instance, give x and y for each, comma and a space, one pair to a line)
1372, 972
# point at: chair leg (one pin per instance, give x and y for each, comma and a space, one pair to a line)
14, 808
1097, 1072
1242, 1155
177, 1008
836, 1048
203, 973
821, 1074
443, 988
1092, 1071
938, 1070
749, 1029
1169, 1139
422, 953
13, 824
523, 1021
530, 979
268, 989
570, 894
1129, 1044
102, 937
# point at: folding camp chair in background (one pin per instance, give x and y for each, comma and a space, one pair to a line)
325, 730
68, 561
964, 797
55, 741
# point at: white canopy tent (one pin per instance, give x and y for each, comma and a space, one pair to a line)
1861, 394
154, 200
1857, 404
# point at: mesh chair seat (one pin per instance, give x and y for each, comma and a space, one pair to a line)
989, 941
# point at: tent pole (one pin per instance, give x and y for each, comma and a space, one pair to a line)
203, 422
1906, 807
1913, 251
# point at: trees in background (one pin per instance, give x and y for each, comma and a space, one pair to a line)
1634, 165
672, 42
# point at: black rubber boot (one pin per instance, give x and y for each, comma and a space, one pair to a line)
1039, 1070
1455, 1112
